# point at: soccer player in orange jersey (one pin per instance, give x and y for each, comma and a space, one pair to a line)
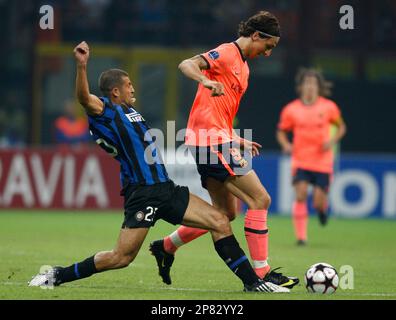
222, 74
310, 118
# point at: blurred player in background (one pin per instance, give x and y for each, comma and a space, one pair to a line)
310, 118
148, 192
222, 74
71, 128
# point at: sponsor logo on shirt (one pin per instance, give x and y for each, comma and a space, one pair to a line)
214, 55
134, 117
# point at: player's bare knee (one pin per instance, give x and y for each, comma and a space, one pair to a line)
223, 225
260, 202
268, 201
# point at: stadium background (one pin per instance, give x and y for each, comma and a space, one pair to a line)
149, 39
59, 203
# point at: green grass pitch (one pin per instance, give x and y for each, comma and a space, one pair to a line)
32, 239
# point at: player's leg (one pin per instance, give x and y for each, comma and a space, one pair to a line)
320, 203
249, 189
212, 175
192, 211
128, 246
202, 215
163, 250
222, 200
321, 182
300, 211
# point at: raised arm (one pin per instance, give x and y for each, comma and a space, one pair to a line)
192, 68
92, 104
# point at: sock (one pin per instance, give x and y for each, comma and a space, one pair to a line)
300, 220
77, 271
256, 233
180, 237
232, 254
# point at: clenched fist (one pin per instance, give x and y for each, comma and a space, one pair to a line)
81, 53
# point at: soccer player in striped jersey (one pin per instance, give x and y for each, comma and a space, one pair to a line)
148, 192
310, 118
223, 158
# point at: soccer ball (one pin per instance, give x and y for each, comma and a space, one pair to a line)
321, 278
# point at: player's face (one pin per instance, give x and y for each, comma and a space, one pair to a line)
310, 86
263, 46
127, 92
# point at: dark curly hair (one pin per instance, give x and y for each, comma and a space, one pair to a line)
324, 85
262, 21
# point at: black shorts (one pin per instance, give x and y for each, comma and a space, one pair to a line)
220, 162
144, 205
320, 179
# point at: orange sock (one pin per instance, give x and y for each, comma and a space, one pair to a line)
180, 237
256, 233
300, 220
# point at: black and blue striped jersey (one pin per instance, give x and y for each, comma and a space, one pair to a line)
123, 133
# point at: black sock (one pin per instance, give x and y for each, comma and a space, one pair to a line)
232, 254
77, 271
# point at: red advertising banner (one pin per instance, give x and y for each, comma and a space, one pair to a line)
61, 178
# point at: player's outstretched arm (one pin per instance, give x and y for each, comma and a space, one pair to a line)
92, 104
192, 67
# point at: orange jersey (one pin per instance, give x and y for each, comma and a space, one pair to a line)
72, 127
311, 129
211, 118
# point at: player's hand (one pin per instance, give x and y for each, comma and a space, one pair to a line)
287, 148
251, 146
216, 87
81, 53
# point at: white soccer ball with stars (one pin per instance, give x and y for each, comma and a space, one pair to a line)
321, 278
